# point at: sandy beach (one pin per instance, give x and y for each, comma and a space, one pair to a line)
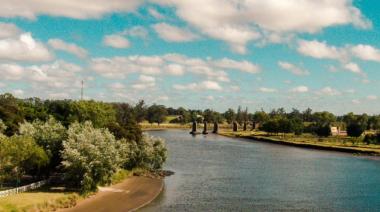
129, 195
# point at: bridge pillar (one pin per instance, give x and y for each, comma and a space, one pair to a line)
245, 126
216, 127
205, 127
194, 128
235, 126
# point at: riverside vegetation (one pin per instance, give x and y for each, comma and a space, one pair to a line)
357, 132
83, 144
78, 145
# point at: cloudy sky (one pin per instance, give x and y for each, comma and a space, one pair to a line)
323, 54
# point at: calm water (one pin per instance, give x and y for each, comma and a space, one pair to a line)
215, 173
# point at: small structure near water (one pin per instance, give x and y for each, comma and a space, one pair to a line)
204, 128
216, 128
235, 126
194, 128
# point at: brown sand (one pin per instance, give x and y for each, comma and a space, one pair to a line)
130, 195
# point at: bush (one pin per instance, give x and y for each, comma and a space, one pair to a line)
322, 130
372, 138
91, 156
49, 135
20, 155
355, 130
150, 153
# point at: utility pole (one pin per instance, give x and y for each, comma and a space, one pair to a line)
81, 92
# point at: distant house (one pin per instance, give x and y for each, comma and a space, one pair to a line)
337, 131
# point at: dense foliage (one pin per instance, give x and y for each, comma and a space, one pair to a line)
85, 142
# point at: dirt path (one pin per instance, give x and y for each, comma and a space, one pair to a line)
131, 194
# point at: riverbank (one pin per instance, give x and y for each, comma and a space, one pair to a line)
129, 195
332, 144
164, 126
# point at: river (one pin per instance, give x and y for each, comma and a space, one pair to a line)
216, 173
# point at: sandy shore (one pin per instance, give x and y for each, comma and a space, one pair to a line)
130, 195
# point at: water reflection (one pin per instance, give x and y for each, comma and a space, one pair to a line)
215, 173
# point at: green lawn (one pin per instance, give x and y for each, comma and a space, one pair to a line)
39, 200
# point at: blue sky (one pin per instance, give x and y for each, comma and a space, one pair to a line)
198, 54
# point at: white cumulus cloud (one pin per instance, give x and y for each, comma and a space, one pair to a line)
116, 41
293, 68
171, 33
72, 48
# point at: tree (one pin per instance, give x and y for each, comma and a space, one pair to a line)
184, 115
33, 109
99, 113
374, 122
239, 116
49, 135
156, 114
322, 130
150, 153
62, 111
10, 113
230, 115
20, 155
324, 118
91, 156
355, 129
260, 117
209, 115
126, 126
140, 111
3, 127
307, 115
271, 126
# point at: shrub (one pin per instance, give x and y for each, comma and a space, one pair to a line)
49, 135
322, 130
150, 153
91, 156
372, 138
355, 129
3, 127
20, 155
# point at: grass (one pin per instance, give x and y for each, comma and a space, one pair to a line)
44, 199
337, 143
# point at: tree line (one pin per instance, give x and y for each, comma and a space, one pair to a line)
82, 142
274, 122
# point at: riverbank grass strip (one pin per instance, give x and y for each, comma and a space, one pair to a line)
333, 143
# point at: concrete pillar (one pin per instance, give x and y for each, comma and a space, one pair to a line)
205, 127
245, 126
216, 127
235, 126
194, 128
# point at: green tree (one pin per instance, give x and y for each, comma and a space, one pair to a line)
156, 114
126, 126
10, 113
33, 109
3, 127
140, 111
355, 129
322, 129
260, 117
99, 113
184, 115
324, 118
20, 155
49, 135
271, 126
230, 115
374, 122
91, 156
